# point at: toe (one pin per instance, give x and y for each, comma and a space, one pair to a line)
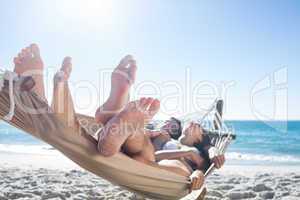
66, 68
22, 54
132, 70
134, 104
17, 60
154, 107
27, 53
35, 50
67, 65
142, 103
18, 67
149, 101
125, 62
67, 60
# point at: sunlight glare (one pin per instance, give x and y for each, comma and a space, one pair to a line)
93, 13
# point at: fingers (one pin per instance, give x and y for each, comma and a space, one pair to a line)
219, 161
216, 162
197, 180
222, 157
197, 183
193, 183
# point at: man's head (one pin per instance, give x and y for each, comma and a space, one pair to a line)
173, 127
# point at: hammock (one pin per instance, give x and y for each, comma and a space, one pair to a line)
24, 110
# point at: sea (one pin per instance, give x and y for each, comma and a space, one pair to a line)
257, 143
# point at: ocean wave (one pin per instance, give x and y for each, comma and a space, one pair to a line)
262, 157
28, 149
48, 150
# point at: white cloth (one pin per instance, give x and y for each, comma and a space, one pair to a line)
172, 145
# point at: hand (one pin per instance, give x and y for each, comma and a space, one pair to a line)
197, 180
196, 159
153, 133
164, 136
218, 161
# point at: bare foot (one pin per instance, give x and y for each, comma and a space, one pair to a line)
140, 111
62, 103
123, 77
121, 80
65, 71
128, 125
29, 63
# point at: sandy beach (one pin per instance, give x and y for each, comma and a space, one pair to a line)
28, 176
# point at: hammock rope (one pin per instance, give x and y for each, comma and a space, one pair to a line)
11, 77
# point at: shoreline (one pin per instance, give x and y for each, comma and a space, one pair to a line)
56, 160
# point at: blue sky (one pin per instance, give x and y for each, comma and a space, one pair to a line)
214, 42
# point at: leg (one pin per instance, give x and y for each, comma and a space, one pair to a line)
127, 128
62, 103
121, 80
29, 63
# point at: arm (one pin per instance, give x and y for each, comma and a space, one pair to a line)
178, 154
171, 154
196, 178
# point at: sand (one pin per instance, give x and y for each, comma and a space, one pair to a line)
55, 177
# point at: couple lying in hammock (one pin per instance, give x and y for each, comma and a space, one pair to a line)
124, 122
